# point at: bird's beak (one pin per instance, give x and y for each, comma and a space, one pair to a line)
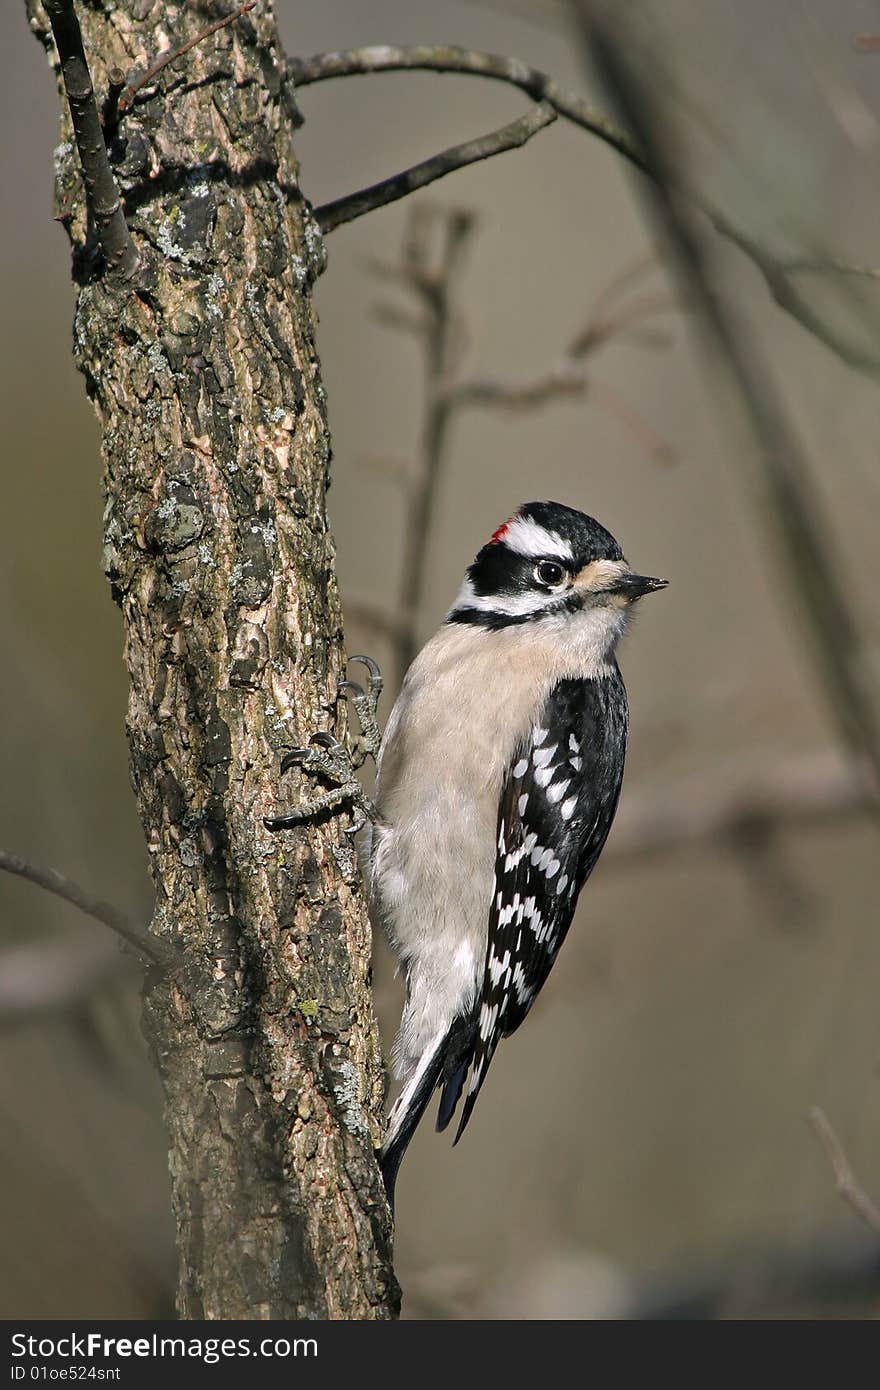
633, 586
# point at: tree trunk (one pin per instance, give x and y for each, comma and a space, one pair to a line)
204, 373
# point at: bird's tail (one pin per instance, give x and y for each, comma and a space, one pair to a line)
444, 1061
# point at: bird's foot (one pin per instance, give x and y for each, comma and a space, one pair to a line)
337, 764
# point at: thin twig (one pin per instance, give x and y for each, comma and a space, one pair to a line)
509, 137
538, 85
102, 194
632, 315
844, 1178
779, 276
623, 282
71, 892
566, 379
787, 497
131, 91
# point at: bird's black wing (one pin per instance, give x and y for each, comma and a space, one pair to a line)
557, 803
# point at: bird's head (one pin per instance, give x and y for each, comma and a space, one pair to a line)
551, 564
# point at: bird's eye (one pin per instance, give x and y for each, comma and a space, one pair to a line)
549, 573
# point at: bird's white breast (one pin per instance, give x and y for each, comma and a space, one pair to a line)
468, 699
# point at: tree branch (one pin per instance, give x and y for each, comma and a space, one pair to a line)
54, 882
845, 1179
441, 58
775, 271
509, 137
102, 194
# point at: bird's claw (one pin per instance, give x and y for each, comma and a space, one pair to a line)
293, 757
374, 675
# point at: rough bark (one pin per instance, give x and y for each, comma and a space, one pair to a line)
205, 377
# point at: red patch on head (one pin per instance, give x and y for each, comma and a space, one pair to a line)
496, 535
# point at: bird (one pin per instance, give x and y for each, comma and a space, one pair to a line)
498, 778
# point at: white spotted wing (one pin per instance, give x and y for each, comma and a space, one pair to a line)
556, 807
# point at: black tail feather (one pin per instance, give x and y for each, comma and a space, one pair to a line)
452, 1087
448, 1066
456, 1060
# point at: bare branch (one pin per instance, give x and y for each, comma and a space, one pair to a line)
102, 194
786, 496
127, 96
71, 892
776, 271
569, 377
442, 58
434, 284
845, 1179
509, 137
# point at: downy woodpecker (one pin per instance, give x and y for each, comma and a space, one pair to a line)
498, 779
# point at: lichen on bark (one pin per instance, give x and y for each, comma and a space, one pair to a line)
205, 376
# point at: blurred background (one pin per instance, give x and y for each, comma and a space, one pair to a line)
643, 1147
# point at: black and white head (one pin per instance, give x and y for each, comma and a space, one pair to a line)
556, 567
